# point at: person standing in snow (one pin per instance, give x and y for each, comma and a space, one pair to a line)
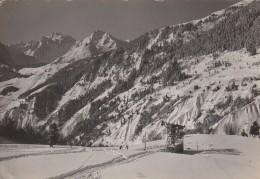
51, 144
243, 133
53, 134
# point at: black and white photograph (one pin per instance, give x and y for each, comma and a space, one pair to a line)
129, 89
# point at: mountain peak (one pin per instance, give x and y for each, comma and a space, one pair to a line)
55, 36
97, 43
47, 48
99, 35
100, 32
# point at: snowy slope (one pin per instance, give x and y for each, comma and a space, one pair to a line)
226, 158
35, 77
206, 156
201, 101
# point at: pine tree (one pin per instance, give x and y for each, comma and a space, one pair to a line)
254, 130
251, 49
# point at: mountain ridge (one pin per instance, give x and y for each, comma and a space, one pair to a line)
190, 74
94, 44
47, 49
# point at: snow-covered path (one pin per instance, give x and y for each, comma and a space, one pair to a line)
11, 153
43, 162
39, 161
93, 171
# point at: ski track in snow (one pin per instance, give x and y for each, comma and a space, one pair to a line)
89, 171
93, 170
52, 152
86, 170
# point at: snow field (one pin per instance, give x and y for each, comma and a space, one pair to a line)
206, 156
228, 157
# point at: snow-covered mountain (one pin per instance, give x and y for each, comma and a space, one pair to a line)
8, 62
95, 44
202, 74
5, 56
47, 49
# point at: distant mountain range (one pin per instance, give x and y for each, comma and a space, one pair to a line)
47, 49
203, 74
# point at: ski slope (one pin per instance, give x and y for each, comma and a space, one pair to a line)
206, 156
217, 157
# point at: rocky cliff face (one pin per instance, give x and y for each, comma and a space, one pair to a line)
8, 63
47, 49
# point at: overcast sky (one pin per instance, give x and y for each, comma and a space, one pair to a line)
25, 20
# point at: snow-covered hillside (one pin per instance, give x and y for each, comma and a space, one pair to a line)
202, 74
198, 99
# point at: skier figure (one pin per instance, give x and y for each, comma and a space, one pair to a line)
243, 133
53, 129
51, 144
120, 147
52, 141
126, 146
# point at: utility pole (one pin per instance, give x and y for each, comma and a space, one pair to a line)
145, 140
